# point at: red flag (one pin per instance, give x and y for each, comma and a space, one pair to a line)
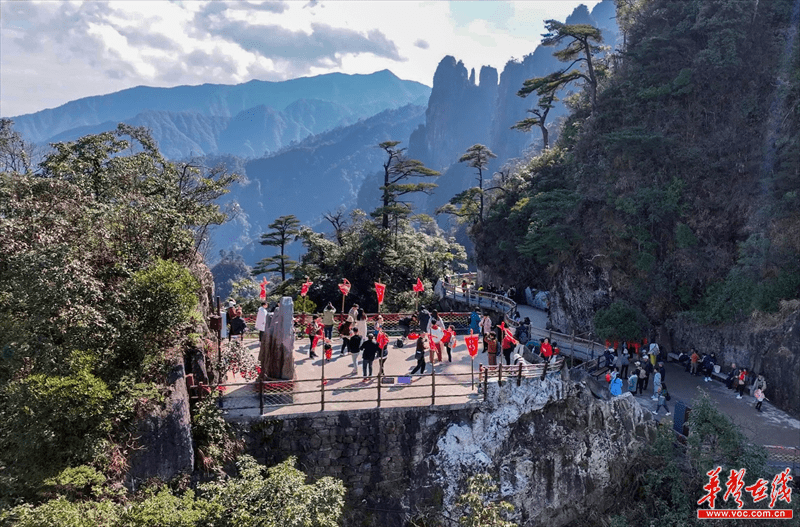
263, 294
472, 344
419, 287
304, 289
379, 290
344, 287
382, 339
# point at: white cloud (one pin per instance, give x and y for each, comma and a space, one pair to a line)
54, 52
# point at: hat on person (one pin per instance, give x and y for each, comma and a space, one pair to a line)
638, 363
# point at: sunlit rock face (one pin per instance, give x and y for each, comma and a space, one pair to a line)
557, 448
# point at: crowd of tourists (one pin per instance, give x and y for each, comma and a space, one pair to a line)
633, 371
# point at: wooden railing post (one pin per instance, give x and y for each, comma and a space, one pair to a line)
572, 350
500, 374
380, 376
261, 395
519, 374
322, 384
544, 371
485, 382
433, 385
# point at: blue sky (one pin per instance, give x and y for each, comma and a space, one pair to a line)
55, 52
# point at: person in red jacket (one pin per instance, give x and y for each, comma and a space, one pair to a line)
547, 349
742, 382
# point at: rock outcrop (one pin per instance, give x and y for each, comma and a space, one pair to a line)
275, 354
557, 451
768, 344
165, 437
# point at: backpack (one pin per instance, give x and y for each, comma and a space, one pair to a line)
642, 373
419, 354
666, 395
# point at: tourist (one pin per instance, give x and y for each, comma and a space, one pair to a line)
759, 384
546, 350
656, 385
353, 311
742, 382
759, 395
685, 361
663, 397
616, 386
361, 323
437, 334
523, 331
708, 366
648, 369
608, 355
625, 362
508, 345
353, 346
695, 358
491, 345
317, 335
424, 319
632, 382
327, 320
377, 326
733, 375
345, 330
405, 324
474, 322
261, 320
370, 350
449, 341
419, 354
235, 320
642, 374
486, 330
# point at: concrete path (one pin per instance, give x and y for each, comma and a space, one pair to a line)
348, 389
770, 427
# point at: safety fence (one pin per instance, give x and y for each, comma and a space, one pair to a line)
310, 395
391, 322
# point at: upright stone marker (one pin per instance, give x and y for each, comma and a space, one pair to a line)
277, 347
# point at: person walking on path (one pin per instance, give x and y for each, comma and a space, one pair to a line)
448, 341
370, 350
361, 323
317, 335
648, 370
656, 385
486, 330
759, 395
437, 334
327, 320
633, 380
742, 382
759, 384
353, 346
616, 386
491, 343
623, 372
474, 322
663, 396
419, 354
345, 330
261, 320
641, 373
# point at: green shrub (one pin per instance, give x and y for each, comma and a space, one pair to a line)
620, 320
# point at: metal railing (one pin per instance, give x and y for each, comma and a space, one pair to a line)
381, 391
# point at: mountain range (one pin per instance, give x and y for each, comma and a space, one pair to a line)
309, 146
248, 120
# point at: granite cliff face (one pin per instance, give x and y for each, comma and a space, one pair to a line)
547, 442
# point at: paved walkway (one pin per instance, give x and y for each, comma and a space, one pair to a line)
348, 389
771, 426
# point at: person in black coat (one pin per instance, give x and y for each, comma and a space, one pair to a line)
370, 350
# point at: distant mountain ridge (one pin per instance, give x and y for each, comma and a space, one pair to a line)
248, 119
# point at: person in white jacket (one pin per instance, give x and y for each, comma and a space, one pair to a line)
261, 321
